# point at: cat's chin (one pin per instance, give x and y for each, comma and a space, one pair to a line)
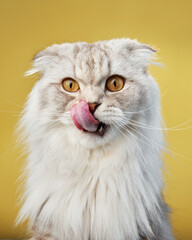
91, 140
101, 130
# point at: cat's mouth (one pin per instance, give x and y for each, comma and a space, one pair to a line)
101, 129
85, 121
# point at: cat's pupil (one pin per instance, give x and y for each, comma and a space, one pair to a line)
71, 85
114, 83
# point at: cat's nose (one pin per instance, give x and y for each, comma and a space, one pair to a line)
93, 106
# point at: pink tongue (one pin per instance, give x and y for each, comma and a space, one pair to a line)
82, 117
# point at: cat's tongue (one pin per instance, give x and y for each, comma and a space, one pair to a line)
82, 117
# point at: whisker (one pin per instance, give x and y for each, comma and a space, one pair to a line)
11, 102
169, 150
126, 136
174, 128
147, 126
152, 144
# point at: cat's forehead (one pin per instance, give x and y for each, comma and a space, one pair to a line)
92, 62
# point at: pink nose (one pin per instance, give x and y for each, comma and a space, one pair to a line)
93, 107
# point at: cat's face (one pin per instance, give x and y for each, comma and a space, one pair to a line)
111, 74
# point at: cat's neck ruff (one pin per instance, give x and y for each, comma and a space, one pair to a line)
86, 185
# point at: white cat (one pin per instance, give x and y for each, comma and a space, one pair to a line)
92, 124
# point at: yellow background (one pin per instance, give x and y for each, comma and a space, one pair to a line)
27, 26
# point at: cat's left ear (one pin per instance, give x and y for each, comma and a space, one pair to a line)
144, 46
144, 55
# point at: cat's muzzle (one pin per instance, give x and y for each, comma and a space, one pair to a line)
85, 121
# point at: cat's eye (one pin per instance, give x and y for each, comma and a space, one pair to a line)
70, 85
115, 83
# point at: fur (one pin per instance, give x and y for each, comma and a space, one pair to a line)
85, 187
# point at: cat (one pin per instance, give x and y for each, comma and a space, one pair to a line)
92, 124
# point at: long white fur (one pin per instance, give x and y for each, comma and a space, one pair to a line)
80, 188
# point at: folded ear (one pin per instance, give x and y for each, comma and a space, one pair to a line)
52, 51
140, 54
145, 46
143, 55
39, 54
44, 59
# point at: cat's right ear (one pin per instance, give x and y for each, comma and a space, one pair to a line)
39, 63
38, 55
43, 60
48, 52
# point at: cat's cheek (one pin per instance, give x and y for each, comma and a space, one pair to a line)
66, 121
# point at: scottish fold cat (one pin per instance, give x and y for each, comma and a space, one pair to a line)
94, 170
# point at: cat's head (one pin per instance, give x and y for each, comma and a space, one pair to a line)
92, 91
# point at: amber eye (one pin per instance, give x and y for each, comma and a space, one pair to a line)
70, 85
115, 83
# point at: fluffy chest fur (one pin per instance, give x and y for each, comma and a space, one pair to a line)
106, 193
